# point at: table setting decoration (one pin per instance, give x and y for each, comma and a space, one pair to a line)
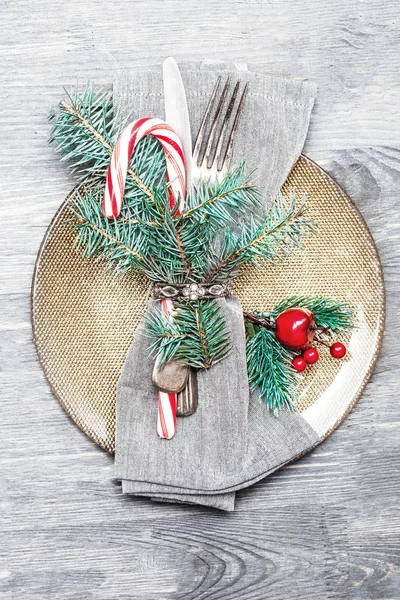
210, 310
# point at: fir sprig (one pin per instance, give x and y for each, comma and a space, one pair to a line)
332, 316
281, 231
212, 208
126, 243
82, 131
222, 201
197, 334
269, 368
102, 238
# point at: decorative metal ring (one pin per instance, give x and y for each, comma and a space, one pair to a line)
192, 291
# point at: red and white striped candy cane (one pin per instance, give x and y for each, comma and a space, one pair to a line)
166, 417
112, 202
123, 150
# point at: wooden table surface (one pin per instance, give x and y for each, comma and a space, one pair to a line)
324, 527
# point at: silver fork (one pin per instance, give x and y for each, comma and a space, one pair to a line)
208, 156
212, 155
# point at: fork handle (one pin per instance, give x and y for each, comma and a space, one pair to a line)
188, 398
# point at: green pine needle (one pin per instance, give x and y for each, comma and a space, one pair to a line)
269, 368
83, 133
212, 208
118, 243
282, 230
197, 334
222, 201
82, 130
330, 314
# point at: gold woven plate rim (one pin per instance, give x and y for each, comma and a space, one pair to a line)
381, 277
76, 418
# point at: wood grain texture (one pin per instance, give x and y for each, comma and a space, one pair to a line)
324, 527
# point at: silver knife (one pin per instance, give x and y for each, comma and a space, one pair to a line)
177, 115
176, 111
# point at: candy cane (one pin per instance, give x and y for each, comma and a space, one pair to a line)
166, 418
112, 202
123, 150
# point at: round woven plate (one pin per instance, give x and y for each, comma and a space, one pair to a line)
84, 318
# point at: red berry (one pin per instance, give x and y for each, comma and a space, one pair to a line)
299, 363
295, 328
311, 355
338, 350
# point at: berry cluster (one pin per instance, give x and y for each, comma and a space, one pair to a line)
295, 328
311, 356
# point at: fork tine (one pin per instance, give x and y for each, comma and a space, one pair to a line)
214, 124
200, 135
228, 153
224, 127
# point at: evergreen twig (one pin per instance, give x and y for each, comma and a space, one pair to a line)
331, 316
83, 132
282, 230
197, 334
269, 368
222, 201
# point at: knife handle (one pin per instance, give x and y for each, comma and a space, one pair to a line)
170, 378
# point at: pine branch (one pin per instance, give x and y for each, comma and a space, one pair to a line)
184, 258
178, 249
83, 132
222, 201
282, 230
211, 208
330, 315
197, 334
269, 368
125, 243
100, 238
79, 119
118, 240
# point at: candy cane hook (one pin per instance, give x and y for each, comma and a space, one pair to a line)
123, 150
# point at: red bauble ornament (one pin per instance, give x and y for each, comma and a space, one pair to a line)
311, 355
295, 328
299, 363
338, 350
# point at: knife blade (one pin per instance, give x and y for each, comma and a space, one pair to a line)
176, 111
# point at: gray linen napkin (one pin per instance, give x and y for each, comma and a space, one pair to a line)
273, 126
228, 443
